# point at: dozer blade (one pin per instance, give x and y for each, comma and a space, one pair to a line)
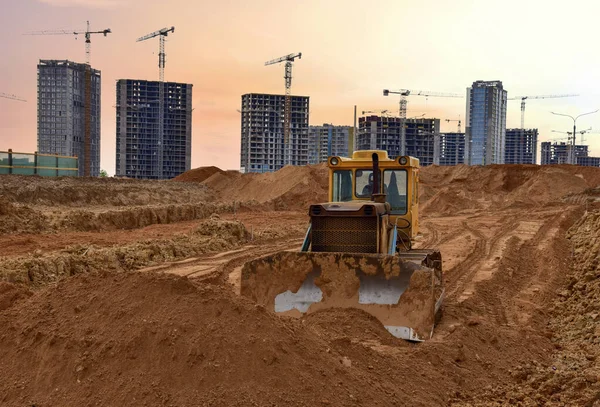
403, 295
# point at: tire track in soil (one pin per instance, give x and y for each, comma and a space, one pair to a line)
216, 267
532, 271
432, 236
483, 247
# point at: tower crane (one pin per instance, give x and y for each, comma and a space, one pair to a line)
383, 112
13, 97
455, 120
524, 98
287, 113
87, 33
162, 33
87, 122
404, 93
582, 132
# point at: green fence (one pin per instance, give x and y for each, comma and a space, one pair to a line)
38, 164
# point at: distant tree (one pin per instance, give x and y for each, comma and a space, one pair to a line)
103, 174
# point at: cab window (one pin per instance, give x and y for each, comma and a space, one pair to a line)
364, 183
394, 182
342, 185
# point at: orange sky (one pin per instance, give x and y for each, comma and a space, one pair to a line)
351, 51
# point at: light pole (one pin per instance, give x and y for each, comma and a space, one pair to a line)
571, 156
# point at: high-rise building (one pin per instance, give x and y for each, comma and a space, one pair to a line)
421, 140
327, 140
451, 150
557, 153
380, 133
486, 123
68, 112
154, 140
520, 146
385, 133
263, 148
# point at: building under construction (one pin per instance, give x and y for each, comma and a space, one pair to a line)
520, 146
422, 140
451, 149
385, 133
327, 140
589, 161
154, 140
380, 133
262, 138
69, 116
558, 153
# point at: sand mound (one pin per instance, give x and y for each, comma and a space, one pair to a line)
198, 174
448, 190
147, 339
444, 190
289, 188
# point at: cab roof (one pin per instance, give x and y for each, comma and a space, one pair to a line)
364, 157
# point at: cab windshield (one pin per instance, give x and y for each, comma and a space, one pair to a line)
394, 185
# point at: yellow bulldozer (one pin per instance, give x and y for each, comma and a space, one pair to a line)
358, 252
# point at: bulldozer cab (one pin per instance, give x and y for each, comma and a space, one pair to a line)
351, 179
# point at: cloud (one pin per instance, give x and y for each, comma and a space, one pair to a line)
106, 4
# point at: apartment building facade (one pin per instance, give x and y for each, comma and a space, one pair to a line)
68, 112
486, 123
154, 139
263, 148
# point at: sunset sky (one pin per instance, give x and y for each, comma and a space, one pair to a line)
351, 50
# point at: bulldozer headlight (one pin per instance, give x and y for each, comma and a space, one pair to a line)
403, 160
334, 161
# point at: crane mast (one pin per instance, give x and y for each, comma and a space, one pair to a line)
162, 33
524, 98
287, 112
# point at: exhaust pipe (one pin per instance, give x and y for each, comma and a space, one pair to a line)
376, 193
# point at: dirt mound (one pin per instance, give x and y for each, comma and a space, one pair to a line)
573, 376
448, 190
287, 189
18, 218
198, 174
211, 235
147, 339
350, 323
11, 293
86, 191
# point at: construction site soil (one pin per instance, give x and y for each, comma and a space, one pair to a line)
124, 292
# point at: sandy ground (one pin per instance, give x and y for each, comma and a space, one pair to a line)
521, 257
